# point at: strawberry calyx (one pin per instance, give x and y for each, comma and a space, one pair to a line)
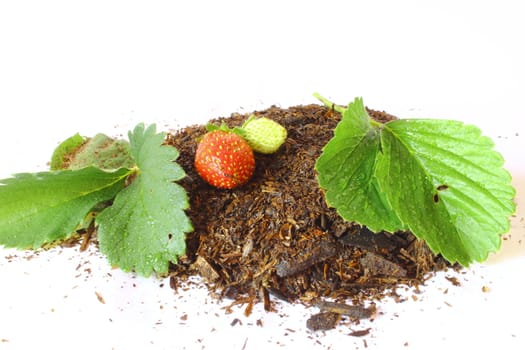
224, 127
264, 135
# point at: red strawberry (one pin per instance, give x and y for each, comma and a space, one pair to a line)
224, 159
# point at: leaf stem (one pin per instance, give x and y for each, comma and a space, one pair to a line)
342, 109
375, 123
329, 103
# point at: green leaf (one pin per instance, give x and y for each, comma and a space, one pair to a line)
346, 169
48, 206
440, 179
59, 159
446, 182
145, 227
100, 151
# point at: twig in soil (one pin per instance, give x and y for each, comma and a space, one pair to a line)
353, 311
293, 266
87, 236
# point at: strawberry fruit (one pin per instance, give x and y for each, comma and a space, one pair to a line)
224, 159
263, 134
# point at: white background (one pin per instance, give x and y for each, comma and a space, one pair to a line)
103, 66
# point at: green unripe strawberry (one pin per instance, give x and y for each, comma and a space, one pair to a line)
264, 135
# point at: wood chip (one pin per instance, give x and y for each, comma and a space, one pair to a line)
353, 311
100, 298
323, 321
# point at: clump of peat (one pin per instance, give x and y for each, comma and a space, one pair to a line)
275, 236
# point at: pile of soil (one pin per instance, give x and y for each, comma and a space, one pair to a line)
275, 237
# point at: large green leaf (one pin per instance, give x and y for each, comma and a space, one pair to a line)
47, 206
441, 179
145, 227
346, 169
446, 182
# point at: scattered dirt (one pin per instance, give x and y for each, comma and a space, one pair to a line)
275, 237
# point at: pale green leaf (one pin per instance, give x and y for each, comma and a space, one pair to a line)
47, 206
59, 159
145, 227
100, 151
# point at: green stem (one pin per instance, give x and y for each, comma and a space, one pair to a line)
341, 109
375, 123
329, 104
